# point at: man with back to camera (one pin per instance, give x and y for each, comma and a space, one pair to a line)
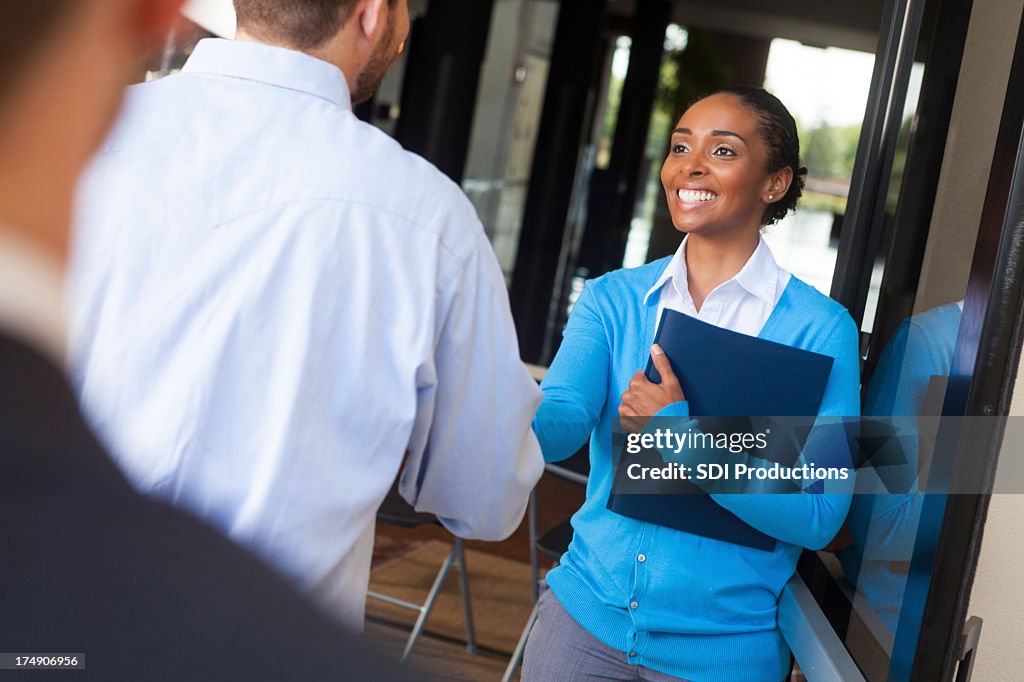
275, 302
92, 572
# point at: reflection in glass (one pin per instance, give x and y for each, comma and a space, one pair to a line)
882, 525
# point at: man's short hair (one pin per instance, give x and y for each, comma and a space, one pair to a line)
25, 26
300, 24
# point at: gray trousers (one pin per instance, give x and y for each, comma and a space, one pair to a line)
560, 650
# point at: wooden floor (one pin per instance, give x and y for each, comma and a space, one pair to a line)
557, 500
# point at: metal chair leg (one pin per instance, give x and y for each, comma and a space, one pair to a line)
531, 512
467, 605
517, 655
435, 590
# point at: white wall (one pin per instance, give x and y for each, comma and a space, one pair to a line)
998, 592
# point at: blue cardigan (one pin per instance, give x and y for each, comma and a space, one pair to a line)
685, 605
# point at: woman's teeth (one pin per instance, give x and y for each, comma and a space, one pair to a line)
691, 196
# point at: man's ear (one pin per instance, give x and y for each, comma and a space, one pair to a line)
370, 14
153, 19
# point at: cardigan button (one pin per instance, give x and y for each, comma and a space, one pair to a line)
642, 558
633, 604
632, 654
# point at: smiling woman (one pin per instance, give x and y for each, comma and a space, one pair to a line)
679, 605
755, 156
733, 167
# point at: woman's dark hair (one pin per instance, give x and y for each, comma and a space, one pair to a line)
778, 132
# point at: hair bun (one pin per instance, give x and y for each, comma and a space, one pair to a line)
802, 170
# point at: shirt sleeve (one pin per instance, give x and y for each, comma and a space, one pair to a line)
576, 385
473, 459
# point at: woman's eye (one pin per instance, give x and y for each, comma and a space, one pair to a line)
723, 151
679, 148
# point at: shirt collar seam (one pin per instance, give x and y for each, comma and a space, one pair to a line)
337, 101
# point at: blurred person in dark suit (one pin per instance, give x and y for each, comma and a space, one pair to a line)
89, 566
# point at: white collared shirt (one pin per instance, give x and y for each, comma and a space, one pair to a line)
742, 303
273, 302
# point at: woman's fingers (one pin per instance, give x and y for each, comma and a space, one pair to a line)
638, 380
662, 364
632, 424
629, 418
669, 382
644, 398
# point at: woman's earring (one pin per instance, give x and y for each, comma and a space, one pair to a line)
770, 197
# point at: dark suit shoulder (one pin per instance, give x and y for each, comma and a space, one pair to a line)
144, 590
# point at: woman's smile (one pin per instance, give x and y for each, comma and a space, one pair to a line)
695, 198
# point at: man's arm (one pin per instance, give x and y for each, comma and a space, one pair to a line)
473, 458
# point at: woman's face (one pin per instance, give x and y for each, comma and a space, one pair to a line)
714, 177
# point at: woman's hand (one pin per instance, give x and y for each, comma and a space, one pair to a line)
644, 399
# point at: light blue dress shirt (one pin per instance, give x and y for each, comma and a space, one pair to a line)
273, 302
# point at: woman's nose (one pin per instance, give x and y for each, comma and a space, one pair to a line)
693, 167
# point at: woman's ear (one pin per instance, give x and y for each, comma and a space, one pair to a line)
778, 185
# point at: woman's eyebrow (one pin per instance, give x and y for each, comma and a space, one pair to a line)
714, 133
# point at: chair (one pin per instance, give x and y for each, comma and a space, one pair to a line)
553, 544
396, 511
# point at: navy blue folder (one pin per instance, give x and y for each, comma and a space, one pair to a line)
730, 380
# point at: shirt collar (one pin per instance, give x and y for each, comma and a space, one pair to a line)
759, 276
31, 295
277, 66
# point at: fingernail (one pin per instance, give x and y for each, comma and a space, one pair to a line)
656, 350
